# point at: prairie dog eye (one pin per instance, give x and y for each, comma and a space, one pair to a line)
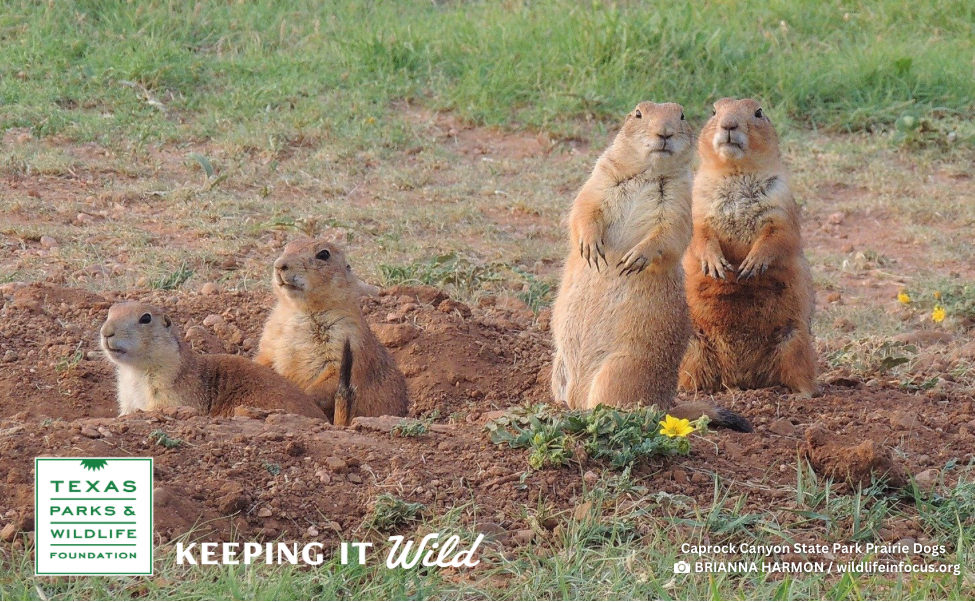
759, 114
145, 319
323, 255
638, 114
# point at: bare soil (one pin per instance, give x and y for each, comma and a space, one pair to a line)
463, 364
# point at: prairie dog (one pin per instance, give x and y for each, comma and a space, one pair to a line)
748, 283
317, 316
157, 369
620, 320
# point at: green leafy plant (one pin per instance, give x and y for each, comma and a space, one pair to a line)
411, 428
621, 438
389, 512
161, 438
174, 279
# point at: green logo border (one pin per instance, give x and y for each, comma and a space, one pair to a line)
152, 525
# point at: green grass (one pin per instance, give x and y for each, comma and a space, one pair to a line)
615, 544
268, 74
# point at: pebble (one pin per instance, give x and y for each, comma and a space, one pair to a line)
48, 242
312, 532
9, 532
524, 537
927, 479
210, 288
264, 513
336, 464
902, 419
90, 432
782, 427
213, 320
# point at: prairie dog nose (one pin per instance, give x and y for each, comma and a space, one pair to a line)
281, 265
667, 135
108, 331
729, 124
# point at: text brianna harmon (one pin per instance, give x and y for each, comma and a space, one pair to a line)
403, 553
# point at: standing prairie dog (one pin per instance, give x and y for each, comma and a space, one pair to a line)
317, 333
157, 369
748, 283
620, 320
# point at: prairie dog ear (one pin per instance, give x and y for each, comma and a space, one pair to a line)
365, 289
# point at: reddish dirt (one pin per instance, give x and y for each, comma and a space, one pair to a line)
57, 398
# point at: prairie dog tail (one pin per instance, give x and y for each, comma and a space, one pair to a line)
344, 394
718, 416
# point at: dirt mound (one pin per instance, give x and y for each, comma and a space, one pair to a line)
456, 358
285, 476
857, 464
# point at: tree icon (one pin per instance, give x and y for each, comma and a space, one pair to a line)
94, 464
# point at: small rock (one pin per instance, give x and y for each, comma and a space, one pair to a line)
396, 335
336, 464
523, 537
680, 476
324, 477
354, 478
492, 531
312, 532
10, 356
927, 479
213, 320
9, 532
295, 449
590, 477
700, 478
449, 306
90, 432
903, 419
264, 513
836, 218
210, 289
48, 242
782, 427
84, 219
834, 297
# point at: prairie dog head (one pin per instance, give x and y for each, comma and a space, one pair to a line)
315, 275
657, 136
140, 336
739, 135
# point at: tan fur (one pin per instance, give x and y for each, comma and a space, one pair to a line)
318, 310
748, 283
157, 369
620, 319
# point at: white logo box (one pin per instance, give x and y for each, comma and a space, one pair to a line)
93, 516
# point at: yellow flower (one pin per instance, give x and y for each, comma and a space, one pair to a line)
938, 315
675, 427
903, 297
